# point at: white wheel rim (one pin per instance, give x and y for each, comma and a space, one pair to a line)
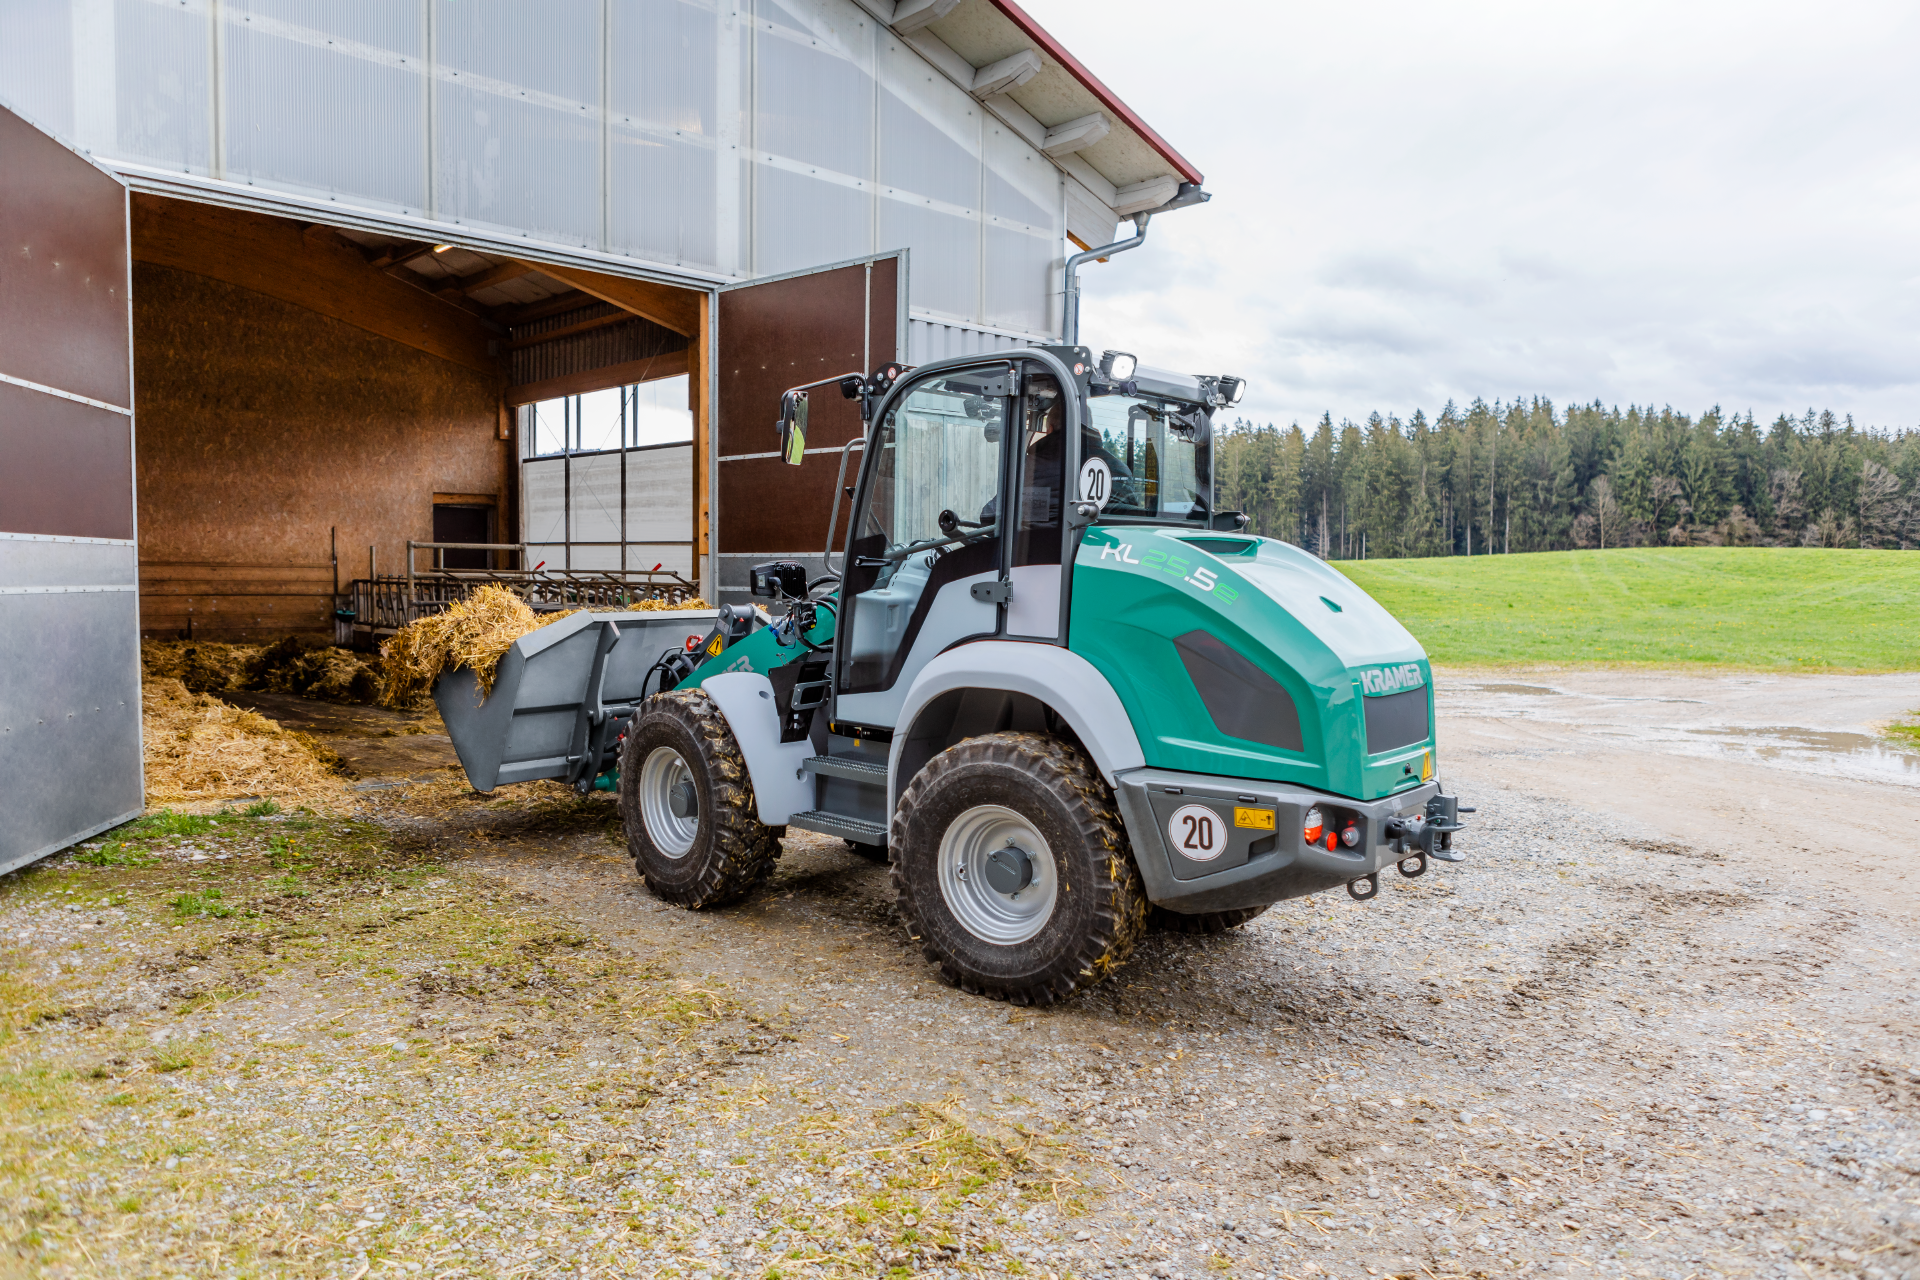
1004, 919
660, 775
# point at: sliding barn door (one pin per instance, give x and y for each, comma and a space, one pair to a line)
775, 334
69, 591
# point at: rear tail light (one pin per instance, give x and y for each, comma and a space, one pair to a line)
1315, 826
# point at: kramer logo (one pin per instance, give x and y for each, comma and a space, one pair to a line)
1379, 680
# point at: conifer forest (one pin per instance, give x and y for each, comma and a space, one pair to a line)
1527, 476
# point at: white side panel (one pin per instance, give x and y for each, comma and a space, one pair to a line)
659, 509
781, 787
1025, 233
1035, 607
360, 68
929, 134
526, 159
954, 615
666, 151
812, 133
1058, 677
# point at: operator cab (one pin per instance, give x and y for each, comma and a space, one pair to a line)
962, 513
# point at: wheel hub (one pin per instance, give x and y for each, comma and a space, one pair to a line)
997, 875
1009, 870
669, 802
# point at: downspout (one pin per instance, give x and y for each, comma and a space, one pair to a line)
1070, 331
1188, 194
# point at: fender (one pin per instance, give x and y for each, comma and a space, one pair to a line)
1057, 677
781, 787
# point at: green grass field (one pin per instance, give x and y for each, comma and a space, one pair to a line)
1752, 607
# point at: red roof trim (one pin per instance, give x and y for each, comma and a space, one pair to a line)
1108, 99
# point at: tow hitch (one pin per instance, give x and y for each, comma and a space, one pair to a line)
1427, 835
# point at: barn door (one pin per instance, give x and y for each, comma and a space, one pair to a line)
69, 592
775, 334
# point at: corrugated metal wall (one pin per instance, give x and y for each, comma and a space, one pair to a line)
746, 138
930, 340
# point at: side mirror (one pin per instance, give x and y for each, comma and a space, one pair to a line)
793, 427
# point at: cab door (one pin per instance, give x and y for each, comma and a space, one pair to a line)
925, 554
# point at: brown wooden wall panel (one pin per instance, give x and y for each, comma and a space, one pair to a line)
778, 335
63, 268
262, 425
66, 468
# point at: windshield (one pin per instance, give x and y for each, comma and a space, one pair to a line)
1158, 454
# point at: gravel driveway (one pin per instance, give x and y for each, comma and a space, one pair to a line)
1591, 1049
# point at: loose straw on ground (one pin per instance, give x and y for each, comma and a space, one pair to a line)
199, 748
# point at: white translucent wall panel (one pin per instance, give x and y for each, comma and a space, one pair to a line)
930, 340
673, 144
37, 63
929, 177
516, 117
813, 133
164, 96
1026, 226
328, 96
659, 509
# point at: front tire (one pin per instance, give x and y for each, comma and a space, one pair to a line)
1011, 870
687, 800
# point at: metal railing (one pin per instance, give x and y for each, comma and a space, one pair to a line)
379, 605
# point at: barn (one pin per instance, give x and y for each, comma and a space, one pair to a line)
294, 293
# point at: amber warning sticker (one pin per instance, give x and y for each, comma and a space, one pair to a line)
716, 644
1256, 819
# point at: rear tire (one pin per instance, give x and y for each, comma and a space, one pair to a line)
1080, 907
688, 805
1161, 920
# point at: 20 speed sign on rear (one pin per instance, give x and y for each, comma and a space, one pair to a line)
1197, 833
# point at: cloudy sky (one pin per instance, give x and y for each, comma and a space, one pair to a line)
1685, 202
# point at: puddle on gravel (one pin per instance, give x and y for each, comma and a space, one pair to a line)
1832, 753
1848, 755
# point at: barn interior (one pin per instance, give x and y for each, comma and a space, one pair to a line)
313, 398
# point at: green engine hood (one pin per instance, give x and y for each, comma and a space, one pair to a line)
1163, 611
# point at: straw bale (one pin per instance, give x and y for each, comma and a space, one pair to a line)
199, 748
475, 632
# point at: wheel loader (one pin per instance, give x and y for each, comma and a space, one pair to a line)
1062, 696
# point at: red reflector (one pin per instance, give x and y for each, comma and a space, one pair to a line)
1332, 841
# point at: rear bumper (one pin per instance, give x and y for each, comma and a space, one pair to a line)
1259, 866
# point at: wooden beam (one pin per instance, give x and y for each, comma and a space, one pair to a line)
668, 364
568, 330
273, 256
666, 306
497, 274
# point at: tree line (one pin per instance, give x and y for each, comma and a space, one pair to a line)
1526, 476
